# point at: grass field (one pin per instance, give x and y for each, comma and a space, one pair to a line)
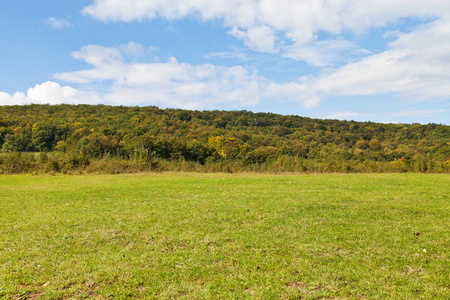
216, 236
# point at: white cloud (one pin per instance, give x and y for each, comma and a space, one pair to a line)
98, 55
58, 23
17, 98
261, 38
176, 84
286, 15
291, 92
50, 93
259, 20
107, 60
133, 49
416, 66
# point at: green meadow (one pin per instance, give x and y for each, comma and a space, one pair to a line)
225, 236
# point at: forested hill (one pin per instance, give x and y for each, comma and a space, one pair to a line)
120, 139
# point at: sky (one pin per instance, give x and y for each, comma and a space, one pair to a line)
363, 60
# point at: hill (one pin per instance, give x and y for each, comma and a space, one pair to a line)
115, 139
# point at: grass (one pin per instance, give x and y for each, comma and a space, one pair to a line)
216, 236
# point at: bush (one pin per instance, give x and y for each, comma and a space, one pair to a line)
17, 162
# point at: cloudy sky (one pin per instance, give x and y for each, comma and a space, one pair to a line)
364, 60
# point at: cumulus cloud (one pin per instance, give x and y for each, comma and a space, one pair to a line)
50, 93
169, 84
285, 15
178, 84
260, 23
416, 65
261, 38
58, 23
17, 98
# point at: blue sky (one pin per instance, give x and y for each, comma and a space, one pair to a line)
364, 60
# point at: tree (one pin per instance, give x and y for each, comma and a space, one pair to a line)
375, 145
43, 136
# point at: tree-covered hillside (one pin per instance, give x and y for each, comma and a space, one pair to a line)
126, 139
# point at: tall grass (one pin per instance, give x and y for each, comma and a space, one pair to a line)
56, 162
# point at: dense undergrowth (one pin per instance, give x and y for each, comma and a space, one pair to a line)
105, 139
53, 163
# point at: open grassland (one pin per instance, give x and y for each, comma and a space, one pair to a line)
216, 236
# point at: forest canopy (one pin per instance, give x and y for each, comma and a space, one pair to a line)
115, 139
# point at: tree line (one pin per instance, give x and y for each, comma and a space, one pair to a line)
116, 139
